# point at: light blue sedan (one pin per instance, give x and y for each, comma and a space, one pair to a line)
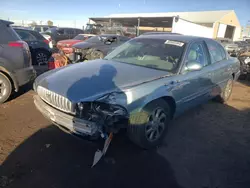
140, 86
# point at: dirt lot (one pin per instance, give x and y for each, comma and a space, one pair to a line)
208, 147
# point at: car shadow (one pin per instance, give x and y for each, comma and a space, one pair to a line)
207, 147
51, 158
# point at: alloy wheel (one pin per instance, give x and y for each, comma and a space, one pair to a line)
228, 89
156, 125
41, 58
3, 88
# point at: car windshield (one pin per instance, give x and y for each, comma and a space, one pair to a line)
153, 53
80, 37
97, 39
49, 30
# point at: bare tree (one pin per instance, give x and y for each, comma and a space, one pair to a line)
50, 23
33, 23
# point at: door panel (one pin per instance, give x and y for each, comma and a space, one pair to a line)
194, 87
219, 65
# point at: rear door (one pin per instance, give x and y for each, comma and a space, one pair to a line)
220, 66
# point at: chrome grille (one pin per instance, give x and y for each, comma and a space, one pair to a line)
56, 100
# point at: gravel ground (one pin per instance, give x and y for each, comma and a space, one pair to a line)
207, 147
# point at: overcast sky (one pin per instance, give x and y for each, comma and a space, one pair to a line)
76, 12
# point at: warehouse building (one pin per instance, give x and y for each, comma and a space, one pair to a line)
211, 24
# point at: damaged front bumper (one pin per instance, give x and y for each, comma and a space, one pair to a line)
68, 122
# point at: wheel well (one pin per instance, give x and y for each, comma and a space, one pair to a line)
171, 102
10, 79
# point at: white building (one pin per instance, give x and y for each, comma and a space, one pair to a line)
211, 24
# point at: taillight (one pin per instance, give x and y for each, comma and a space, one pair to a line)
19, 44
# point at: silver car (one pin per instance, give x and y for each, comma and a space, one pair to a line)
140, 86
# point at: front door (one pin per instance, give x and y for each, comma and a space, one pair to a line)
193, 87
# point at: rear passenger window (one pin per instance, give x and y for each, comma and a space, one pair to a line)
60, 31
37, 35
38, 29
223, 53
78, 31
216, 51
69, 31
26, 36
45, 29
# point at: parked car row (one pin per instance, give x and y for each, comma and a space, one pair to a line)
234, 48
66, 45
62, 33
38, 45
97, 47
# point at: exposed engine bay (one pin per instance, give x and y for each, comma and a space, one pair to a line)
108, 117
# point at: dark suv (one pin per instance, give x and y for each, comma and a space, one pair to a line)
39, 46
62, 33
15, 61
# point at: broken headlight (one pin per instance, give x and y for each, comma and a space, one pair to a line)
115, 103
115, 98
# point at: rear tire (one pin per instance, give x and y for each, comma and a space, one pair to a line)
226, 94
41, 57
148, 128
5, 88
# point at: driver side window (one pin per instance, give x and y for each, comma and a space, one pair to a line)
196, 54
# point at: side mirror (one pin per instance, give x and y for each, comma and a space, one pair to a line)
193, 66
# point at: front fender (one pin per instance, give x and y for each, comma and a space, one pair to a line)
149, 95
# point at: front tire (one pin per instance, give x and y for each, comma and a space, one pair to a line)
5, 88
148, 128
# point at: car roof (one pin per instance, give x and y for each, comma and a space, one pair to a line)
25, 29
68, 28
22, 28
108, 35
159, 33
44, 26
6, 22
181, 38
87, 34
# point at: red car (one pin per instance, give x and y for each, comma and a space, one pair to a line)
66, 45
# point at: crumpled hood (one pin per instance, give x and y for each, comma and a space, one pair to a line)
89, 80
